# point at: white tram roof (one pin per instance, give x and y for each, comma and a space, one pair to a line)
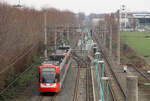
54, 60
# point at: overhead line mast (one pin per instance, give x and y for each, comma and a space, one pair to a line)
45, 40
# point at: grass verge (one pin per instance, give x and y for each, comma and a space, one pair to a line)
139, 41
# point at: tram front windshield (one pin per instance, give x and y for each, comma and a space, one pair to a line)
48, 75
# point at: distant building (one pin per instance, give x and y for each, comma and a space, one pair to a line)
134, 20
142, 17
95, 21
95, 18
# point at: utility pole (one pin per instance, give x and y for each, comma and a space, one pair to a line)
104, 32
100, 34
45, 41
68, 32
55, 36
118, 39
62, 37
110, 37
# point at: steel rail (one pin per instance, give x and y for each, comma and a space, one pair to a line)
109, 65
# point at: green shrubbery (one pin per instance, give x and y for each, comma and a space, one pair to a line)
24, 80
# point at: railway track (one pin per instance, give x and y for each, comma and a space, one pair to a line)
75, 97
89, 87
47, 97
83, 87
143, 83
112, 96
80, 87
142, 74
115, 88
115, 79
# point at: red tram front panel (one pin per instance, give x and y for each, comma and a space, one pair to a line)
49, 79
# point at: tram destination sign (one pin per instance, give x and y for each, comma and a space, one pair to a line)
48, 69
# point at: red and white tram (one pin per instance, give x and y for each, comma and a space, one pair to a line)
53, 72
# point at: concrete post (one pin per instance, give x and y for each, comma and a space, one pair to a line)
55, 37
45, 31
110, 37
132, 88
68, 28
103, 39
118, 40
104, 32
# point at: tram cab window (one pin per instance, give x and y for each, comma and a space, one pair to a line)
48, 75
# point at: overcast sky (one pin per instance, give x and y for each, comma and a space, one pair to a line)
87, 6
